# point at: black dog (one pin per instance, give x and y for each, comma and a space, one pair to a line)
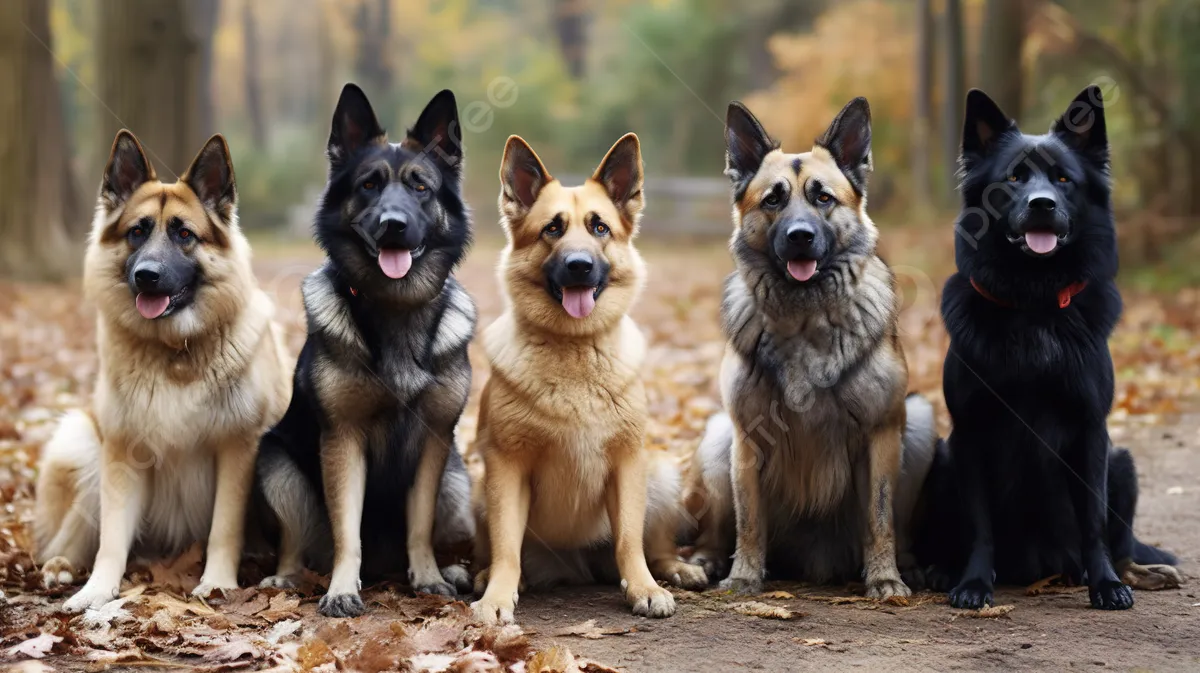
384, 374
1029, 483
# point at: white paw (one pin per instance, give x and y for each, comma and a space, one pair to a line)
883, 589
458, 577
206, 588
90, 598
278, 582
494, 612
57, 572
650, 600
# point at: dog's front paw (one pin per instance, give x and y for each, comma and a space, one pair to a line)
431, 583
493, 611
649, 600
341, 605
971, 594
688, 576
57, 572
278, 582
884, 588
90, 598
742, 585
207, 588
1111, 595
458, 577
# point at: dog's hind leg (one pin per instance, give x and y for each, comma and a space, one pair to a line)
344, 470
1139, 565
66, 528
294, 502
918, 448
664, 516
709, 498
453, 522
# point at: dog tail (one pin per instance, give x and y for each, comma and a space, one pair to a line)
68, 488
920, 431
1144, 554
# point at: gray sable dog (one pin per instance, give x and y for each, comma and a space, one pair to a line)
384, 375
820, 458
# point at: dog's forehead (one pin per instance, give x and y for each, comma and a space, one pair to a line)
799, 169
574, 203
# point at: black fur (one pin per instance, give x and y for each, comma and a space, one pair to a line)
403, 341
1029, 485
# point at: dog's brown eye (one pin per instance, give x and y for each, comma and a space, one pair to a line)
601, 229
1063, 178
421, 187
369, 185
824, 198
772, 200
137, 232
185, 234
1012, 178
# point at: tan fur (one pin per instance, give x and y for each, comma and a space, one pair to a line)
563, 415
166, 452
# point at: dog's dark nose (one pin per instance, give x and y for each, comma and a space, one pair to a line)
1042, 203
801, 234
393, 223
147, 275
579, 263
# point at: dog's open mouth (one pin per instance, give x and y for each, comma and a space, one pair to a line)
152, 306
1038, 242
396, 262
802, 269
578, 302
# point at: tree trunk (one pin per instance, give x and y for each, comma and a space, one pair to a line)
203, 23
923, 107
38, 205
258, 129
570, 25
1000, 66
372, 61
953, 93
148, 70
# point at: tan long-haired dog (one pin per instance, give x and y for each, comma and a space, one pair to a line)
192, 372
568, 484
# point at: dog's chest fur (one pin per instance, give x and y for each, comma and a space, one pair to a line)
806, 390
564, 403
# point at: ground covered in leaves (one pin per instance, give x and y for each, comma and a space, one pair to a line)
48, 363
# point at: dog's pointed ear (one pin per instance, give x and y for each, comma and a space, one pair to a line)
354, 126
522, 176
848, 140
438, 134
983, 124
620, 173
127, 169
1082, 126
746, 143
211, 177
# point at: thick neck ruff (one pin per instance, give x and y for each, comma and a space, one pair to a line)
1064, 295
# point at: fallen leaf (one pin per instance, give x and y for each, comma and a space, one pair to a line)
181, 573
36, 647
588, 630
813, 642
282, 606
557, 659
777, 595
763, 610
989, 612
105, 615
283, 629
234, 650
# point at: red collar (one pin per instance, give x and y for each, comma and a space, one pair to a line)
354, 293
1064, 295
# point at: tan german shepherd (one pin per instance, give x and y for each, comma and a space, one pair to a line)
820, 458
562, 418
192, 372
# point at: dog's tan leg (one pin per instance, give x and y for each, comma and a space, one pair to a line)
879, 548
626, 501
423, 573
344, 469
664, 519
124, 482
235, 475
749, 559
507, 490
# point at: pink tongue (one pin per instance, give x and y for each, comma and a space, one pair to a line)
802, 269
1041, 242
152, 305
578, 301
394, 262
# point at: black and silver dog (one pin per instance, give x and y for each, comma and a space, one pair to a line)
384, 374
1029, 485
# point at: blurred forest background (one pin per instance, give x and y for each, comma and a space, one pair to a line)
573, 75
